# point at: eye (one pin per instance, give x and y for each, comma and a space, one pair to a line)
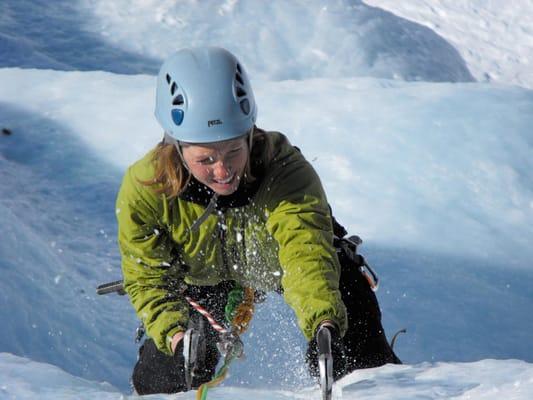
206, 161
235, 151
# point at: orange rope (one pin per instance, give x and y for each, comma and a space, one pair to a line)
245, 312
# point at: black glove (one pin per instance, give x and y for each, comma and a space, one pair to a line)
337, 352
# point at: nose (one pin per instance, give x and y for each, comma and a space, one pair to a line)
222, 170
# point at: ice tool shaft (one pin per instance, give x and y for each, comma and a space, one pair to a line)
325, 362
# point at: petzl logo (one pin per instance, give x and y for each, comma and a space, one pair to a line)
214, 122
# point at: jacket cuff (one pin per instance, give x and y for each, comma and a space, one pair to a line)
316, 325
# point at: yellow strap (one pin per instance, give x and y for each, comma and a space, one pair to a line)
201, 394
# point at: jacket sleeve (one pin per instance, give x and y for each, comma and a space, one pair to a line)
150, 278
299, 220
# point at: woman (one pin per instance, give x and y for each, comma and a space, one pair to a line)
219, 203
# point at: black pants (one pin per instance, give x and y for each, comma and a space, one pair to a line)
365, 342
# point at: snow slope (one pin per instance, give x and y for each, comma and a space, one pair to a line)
45, 34
487, 379
435, 175
420, 233
309, 39
495, 38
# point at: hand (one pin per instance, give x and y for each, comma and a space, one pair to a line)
337, 352
175, 340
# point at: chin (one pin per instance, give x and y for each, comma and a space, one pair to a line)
224, 192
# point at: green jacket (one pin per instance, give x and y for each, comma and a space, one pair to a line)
282, 236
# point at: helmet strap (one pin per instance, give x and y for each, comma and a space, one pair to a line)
180, 152
251, 140
167, 139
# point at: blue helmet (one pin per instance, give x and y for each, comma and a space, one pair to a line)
203, 95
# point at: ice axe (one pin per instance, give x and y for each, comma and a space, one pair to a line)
325, 362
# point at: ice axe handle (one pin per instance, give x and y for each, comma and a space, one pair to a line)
111, 287
325, 362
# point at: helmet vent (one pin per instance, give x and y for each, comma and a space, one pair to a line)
173, 88
239, 79
240, 91
178, 100
168, 79
245, 106
239, 69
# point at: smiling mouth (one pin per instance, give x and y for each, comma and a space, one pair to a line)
225, 181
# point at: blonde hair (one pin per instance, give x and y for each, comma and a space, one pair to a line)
171, 176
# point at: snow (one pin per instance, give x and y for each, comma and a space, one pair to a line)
495, 38
309, 39
479, 145
475, 380
429, 167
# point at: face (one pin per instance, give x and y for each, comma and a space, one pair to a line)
220, 166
